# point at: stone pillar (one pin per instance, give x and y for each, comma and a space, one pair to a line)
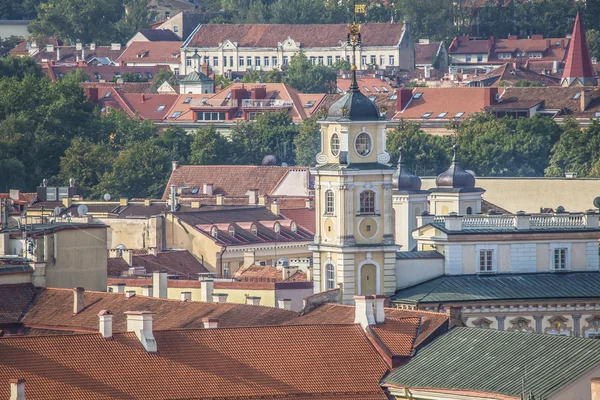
576, 324
388, 234
348, 193
538, 323
500, 320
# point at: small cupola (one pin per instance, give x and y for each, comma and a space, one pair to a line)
407, 181
455, 177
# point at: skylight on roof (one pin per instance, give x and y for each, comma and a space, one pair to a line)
459, 114
148, 75
309, 104
577, 95
107, 94
187, 100
417, 95
426, 115
442, 114
376, 89
366, 89
372, 98
597, 115
161, 107
176, 114
228, 96
393, 97
385, 90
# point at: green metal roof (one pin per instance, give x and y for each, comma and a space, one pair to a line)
195, 76
406, 255
486, 360
465, 288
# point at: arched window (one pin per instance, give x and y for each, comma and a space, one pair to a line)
254, 230
277, 227
329, 202
214, 232
330, 276
335, 144
294, 227
231, 231
469, 211
367, 202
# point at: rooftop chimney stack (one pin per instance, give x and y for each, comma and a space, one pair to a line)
275, 207
363, 311
210, 323
380, 308
208, 189
147, 290
78, 300
206, 290
159, 283
285, 304
17, 389
129, 294
253, 196
219, 297
173, 201
219, 200
253, 300
105, 318
140, 322
174, 165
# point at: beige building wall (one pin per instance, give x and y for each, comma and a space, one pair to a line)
581, 389
410, 272
16, 278
16, 28
531, 194
135, 233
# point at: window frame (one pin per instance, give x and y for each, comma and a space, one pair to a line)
356, 138
485, 261
560, 254
329, 276
336, 144
367, 205
329, 202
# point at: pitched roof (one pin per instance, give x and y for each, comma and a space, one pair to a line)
468, 288
70, 54
53, 309
152, 52
466, 45
159, 35
22, 47
230, 180
177, 262
304, 217
578, 63
425, 53
14, 300
103, 72
148, 106
507, 74
287, 362
258, 273
411, 255
270, 35
564, 99
499, 362
368, 85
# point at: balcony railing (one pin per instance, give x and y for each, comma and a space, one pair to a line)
277, 103
218, 103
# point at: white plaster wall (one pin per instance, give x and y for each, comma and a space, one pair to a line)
410, 272
504, 258
592, 258
523, 257
295, 183
580, 389
543, 257
579, 257
453, 259
296, 295
469, 259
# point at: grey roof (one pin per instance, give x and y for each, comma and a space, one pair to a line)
352, 167
407, 181
406, 255
353, 106
491, 361
455, 176
510, 229
195, 76
160, 35
469, 288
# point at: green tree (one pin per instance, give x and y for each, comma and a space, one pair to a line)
272, 76
251, 77
120, 130
577, 150
8, 43
593, 39
223, 81
301, 74
165, 75
526, 83
136, 17
18, 9
177, 142
87, 163
423, 153
130, 77
19, 67
308, 142
209, 147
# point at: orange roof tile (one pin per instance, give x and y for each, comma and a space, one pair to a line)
14, 300
398, 334
152, 52
176, 262
368, 85
257, 273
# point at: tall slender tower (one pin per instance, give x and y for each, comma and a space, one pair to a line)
354, 242
578, 66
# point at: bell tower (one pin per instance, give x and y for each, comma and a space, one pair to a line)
354, 242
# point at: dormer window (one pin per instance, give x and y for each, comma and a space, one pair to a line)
335, 145
254, 230
427, 115
442, 114
277, 227
294, 227
160, 108
214, 232
231, 231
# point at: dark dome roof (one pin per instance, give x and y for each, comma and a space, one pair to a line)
455, 177
354, 106
406, 180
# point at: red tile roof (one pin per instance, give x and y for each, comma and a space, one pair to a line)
102, 72
146, 106
176, 262
286, 362
466, 45
303, 216
257, 273
69, 54
398, 334
578, 63
152, 52
507, 75
21, 48
14, 300
315, 35
425, 53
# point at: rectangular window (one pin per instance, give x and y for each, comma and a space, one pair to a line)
176, 71
176, 29
381, 60
392, 61
373, 61
215, 61
285, 60
266, 61
367, 202
249, 61
188, 61
330, 276
320, 60
241, 61
274, 61
363, 60
330, 60
313, 60
226, 269
485, 260
468, 58
348, 58
257, 61
224, 61
329, 202
337, 59
479, 58
560, 259
231, 61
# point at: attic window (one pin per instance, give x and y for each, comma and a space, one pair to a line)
426, 115
187, 100
232, 231
254, 230
442, 114
294, 227
393, 97
107, 94
366, 89
597, 115
417, 95
117, 74
376, 89
103, 109
161, 108
309, 104
577, 95
148, 75
195, 189
139, 74
228, 96
214, 232
176, 114
238, 114
174, 55
97, 75
385, 90
277, 227
459, 114
372, 98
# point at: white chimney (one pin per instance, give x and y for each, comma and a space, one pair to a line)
105, 323
129, 294
78, 300
253, 196
93, 46
219, 297
206, 290
186, 296
253, 300
50, 48
363, 310
140, 322
379, 308
173, 199
309, 274
275, 207
147, 290
159, 283
174, 165
285, 303
78, 46
115, 46
210, 323
208, 189
17, 389
220, 200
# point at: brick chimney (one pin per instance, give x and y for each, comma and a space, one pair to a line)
489, 96
210, 323
253, 300
585, 99
285, 303
207, 288
78, 300
140, 322
174, 165
363, 310
219, 297
259, 92
275, 207
403, 97
159, 283
219, 199
454, 317
92, 94
105, 323
249, 258
379, 308
129, 294
17, 389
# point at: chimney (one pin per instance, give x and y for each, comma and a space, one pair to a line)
159, 282
83, 54
253, 300
363, 310
309, 204
262, 200
105, 321
454, 317
275, 207
174, 165
403, 97
489, 96
115, 46
147, 290
219, 200
186, 296
195, 204
173, 201
585, 99
253, 196
249, 258
129, 294
595, 383
57, 53
147, 202
78, 46
554, 66
210, 323
123, 202
140, 322
143, 97
17, 389
285, 303
127, 255
219, 297
208, 189
93, 47
379, 308
15, 194
206, 290
309, 274
78, 300
92, 94
120, 287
